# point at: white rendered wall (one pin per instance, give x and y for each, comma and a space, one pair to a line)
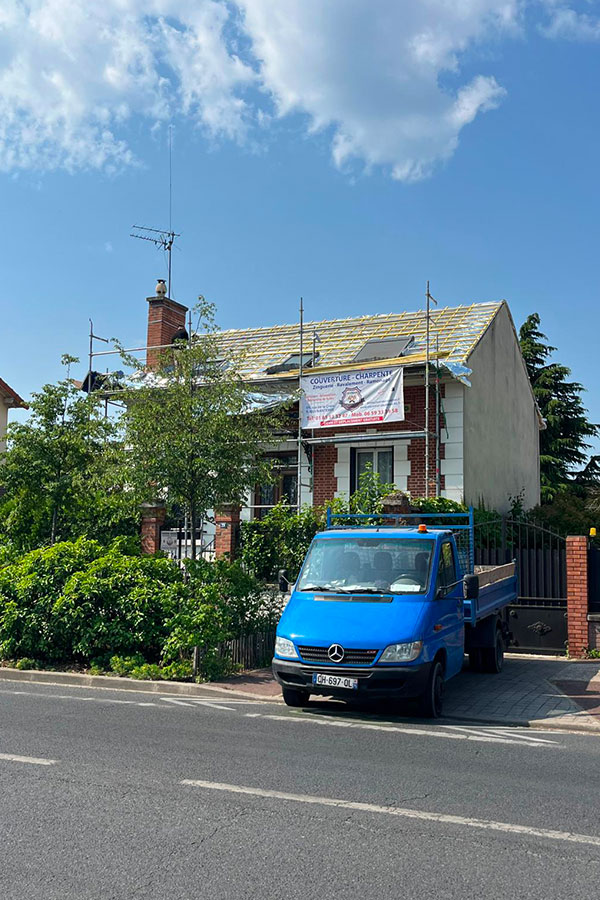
3, 422
501, 430
452, 466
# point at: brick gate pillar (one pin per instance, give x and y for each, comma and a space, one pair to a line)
153, 518
577, 594
227, 522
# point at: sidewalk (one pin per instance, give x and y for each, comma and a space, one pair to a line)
535, 691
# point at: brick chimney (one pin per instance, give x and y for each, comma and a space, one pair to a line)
165, 318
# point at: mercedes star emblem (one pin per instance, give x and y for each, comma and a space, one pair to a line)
335, 653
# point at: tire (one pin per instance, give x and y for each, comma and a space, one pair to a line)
431, 701
493, 657
292, 697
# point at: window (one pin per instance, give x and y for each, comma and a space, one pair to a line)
284, 487
292, 363
384, 348
447, 572
380, 461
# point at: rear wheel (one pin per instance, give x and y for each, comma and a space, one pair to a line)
493, 657
431, 702
292, 697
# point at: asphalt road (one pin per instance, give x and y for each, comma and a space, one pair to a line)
105, 794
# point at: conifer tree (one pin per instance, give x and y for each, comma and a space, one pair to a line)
563, 443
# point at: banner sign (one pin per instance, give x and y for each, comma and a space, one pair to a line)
365, 397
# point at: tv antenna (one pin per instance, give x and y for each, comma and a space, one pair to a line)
165, 238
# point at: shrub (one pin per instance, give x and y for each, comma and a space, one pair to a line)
79, 602
119, 604
25, 663
147, 672
124, 665
29, 588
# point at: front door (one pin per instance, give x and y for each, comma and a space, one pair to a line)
449, 609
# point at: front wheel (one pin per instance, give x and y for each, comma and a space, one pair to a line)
493, 657
431, 702
292, 697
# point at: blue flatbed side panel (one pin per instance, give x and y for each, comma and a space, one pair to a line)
491, 597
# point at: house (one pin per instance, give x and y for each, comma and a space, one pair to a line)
481, 442
9, 399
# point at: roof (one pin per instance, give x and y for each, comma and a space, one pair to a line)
456, 330
12, 396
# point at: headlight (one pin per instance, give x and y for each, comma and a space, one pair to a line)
283, 647
402, 652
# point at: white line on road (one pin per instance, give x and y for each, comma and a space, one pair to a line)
32, 760
513, 734
398, 729
441, 818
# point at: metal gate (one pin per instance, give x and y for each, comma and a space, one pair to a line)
594, 580
538, 620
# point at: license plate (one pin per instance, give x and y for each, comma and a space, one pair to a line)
335, 681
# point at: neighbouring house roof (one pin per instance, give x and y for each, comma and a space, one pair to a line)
13, 398
457, 331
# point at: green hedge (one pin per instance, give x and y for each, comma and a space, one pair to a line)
79, 602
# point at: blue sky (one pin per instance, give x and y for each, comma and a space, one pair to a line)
347, 155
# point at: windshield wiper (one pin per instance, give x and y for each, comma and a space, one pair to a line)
367, 590
320, 587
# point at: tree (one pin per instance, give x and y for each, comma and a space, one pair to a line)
191, 434
57, 475
563, 443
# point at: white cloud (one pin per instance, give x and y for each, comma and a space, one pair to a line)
371, 71
373, 75
570, 24
72, 72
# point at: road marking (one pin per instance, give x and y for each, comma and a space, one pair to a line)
399, 729
177, 702
212, 705
32, 760
503, 732
401, 812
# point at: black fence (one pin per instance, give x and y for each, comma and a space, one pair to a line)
540, 554
251, 651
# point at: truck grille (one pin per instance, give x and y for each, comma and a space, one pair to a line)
351, 657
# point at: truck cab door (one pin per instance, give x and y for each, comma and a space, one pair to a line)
448, 615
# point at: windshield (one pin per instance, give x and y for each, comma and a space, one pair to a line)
372, 565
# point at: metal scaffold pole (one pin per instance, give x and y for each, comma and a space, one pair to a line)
299, 476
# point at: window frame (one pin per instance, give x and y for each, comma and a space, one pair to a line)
354, 451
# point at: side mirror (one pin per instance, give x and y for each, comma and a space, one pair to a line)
283, 581
471, 587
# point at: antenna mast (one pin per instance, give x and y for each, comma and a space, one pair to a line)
165, 239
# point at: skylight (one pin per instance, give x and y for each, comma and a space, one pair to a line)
292, 363
384, 348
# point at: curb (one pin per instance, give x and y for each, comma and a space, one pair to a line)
107, 683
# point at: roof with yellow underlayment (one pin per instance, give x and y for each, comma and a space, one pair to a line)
455, 330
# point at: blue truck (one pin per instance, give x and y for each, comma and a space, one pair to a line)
388, 611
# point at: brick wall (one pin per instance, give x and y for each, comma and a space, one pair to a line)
325, 455
227, 522
577, 595
153, 518
165, 317
324, 480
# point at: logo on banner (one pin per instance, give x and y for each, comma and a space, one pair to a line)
351, 398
